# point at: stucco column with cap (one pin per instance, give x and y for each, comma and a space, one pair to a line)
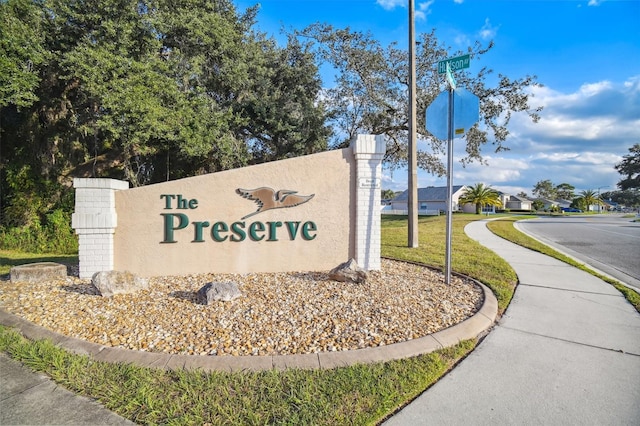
95, 221
369, 151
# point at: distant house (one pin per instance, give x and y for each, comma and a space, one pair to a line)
514, 202
605, 206
548, 204
432, 199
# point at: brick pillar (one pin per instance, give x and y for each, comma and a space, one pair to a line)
95, 221
368, 151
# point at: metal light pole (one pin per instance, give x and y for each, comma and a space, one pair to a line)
600, 199
412, 203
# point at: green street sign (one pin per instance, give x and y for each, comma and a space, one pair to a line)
455, 64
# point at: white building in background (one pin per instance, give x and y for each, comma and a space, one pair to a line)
514, 202
432, 200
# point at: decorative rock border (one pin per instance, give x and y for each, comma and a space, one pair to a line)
472, 327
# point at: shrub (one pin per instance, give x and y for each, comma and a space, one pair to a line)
53, 234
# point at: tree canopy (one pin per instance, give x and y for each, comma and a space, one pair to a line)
550, 191
565, 191
629, 167
146, 91
21, 52
372, 85
545, 189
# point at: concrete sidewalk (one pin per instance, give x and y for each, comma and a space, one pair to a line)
567, 351
30, 398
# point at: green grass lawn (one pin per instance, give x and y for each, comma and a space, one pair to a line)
357, 395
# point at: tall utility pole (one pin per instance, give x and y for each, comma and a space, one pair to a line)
412, 204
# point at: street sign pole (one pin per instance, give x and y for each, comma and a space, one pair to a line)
447, 261
457, 122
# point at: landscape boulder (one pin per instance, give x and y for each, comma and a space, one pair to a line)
38, 272
218, 291
348, 272
109, 283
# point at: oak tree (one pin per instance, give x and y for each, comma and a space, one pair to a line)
371, 91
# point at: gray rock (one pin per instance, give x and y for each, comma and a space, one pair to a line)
38, 272
109, 283
348, 272
216, 291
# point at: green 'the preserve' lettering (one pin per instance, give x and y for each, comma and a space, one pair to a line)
254, 228
272, 230
197, 238
307, 228
170, 226
236, 231
180, 203
292, 227
217, 228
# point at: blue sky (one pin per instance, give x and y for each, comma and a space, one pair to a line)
586, 53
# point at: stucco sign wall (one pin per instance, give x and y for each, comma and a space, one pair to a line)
298, 214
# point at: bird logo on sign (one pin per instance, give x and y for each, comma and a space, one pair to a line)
269, 199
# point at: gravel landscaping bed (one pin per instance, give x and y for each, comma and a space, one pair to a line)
278, 313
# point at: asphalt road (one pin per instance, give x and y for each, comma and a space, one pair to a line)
608, 242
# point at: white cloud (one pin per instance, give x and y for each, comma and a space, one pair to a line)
595, 2
603, 114
487, 31
633, 83
498, 170
565, 126
555, 157
462, 40
598, 158
391, 4
591, 89
581, 136
423, 9
390, 180
589, 158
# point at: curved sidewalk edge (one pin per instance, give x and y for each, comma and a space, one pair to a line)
470, 328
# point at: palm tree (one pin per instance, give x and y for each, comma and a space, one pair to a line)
590, 198
481, 196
